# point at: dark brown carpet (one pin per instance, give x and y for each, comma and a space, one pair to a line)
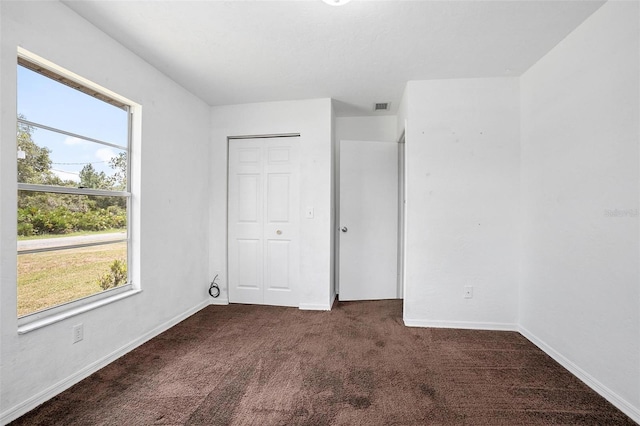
355, 365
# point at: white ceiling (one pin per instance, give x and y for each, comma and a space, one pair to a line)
232, 52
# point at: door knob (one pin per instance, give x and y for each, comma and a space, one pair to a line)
279, 232
344, 229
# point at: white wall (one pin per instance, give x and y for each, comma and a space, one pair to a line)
172, 215
580, 283
380, 129
462, 167
313, 120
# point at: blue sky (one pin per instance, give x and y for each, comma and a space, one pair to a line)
45, 101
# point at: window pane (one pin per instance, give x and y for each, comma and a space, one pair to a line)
50, 158
45, 101
46, 214
69, 247
52, 278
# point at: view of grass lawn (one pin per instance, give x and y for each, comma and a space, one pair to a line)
70, 234
54, 277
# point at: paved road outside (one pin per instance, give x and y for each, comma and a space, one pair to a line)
69, 241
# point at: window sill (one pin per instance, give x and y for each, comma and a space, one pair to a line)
61, 316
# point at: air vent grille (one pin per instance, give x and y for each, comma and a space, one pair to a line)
381, 106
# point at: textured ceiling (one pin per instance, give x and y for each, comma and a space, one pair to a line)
231, 52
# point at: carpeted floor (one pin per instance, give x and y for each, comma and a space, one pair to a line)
355, 365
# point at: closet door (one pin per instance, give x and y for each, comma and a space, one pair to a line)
263, 218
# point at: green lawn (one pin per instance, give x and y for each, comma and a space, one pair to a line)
70, 234
54, 277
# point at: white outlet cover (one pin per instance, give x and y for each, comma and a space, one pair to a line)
78, 333
468, 292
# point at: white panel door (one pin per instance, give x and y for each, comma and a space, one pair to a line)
263, 217
368, 221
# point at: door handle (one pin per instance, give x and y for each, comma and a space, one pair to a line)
279, 232
344, 229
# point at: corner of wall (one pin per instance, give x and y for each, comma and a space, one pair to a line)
579, 299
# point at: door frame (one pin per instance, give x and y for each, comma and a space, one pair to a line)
226, 238
402, 213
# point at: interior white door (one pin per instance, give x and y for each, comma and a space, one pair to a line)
368, 261
263, 221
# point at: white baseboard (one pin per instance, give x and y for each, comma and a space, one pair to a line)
314, 307
219, 301
469, 325
302, 306
31, 403
623, 405
619, 402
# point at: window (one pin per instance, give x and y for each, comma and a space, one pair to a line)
74, 198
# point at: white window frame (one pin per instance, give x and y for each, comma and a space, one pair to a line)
53, 314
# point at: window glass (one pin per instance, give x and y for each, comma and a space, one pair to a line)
51, 278
73, 240
48, 102
43, 214
52, 158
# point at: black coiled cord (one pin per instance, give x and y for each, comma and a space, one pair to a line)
214, 290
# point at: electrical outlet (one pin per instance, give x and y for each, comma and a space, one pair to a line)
78, 333
468, 292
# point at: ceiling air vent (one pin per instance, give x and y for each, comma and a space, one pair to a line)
382, 106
